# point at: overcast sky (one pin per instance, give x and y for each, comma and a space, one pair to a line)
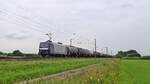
117, 24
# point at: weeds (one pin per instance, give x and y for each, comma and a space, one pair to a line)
15, 71
104, 73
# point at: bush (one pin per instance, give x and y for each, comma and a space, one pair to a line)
1, 53
134, 55
9, 54
130, 53
17, 53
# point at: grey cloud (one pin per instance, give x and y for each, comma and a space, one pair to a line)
17, 35
120, 24
127, 5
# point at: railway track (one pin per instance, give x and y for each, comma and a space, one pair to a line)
30, 57
38, 57
18, 57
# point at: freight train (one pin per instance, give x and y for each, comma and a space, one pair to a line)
50, 48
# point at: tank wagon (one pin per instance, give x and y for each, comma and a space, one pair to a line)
50, 48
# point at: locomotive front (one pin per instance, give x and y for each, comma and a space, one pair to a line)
44, 49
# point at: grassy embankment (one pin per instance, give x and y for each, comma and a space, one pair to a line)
15, 71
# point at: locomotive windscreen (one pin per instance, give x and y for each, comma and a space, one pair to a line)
44, 46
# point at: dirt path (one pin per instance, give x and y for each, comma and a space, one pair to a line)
60, 76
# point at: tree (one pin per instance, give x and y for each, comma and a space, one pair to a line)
130, 53
1, 53
121, 54
17, 53
9, 54
133, 53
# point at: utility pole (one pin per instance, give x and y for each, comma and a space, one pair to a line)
95, 47
111, 52
70, 42
49, 35
106, 50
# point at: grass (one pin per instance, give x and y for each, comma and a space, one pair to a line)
104, 73
16, 71
124, 71
134, 72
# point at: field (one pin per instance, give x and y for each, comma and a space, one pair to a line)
104, 71
134, 72
16, 71
124, 71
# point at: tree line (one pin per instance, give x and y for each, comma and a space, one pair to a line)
130, 53
17, 53
120, 54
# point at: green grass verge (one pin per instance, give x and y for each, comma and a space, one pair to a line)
15, 71
134, 72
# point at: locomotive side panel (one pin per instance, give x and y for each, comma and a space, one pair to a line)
60, 49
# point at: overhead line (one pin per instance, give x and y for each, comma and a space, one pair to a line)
21, 20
